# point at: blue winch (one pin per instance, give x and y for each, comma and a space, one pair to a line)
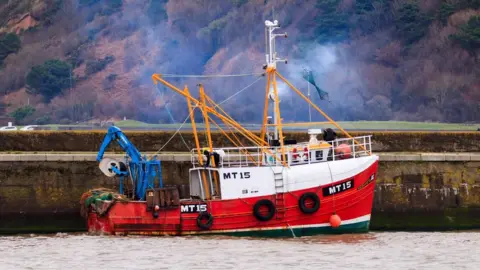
144, 173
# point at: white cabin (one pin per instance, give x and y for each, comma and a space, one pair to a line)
257, 171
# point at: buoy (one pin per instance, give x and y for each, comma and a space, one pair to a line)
157, 207
343, 151
335, 221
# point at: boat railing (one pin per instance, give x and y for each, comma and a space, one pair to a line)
295, 154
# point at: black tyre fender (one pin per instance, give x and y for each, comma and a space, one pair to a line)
316, 202
201, 217
271, 210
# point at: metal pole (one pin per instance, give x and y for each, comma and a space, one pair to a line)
309, 107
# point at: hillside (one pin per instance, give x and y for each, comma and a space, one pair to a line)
64, 61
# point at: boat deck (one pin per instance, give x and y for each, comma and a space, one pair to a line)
293, 154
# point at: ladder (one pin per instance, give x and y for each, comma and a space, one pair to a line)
279, 193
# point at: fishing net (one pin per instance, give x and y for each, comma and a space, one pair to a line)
100, 200
308, 76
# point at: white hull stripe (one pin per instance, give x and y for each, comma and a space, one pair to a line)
344, 222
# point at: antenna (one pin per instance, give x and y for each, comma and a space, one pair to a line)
272, 58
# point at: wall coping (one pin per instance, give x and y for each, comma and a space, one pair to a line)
185, 156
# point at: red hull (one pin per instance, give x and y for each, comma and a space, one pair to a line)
230, 216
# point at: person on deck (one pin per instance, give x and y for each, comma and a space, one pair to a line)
206, 156
217, 154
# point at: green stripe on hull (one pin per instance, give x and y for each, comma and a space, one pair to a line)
359, 227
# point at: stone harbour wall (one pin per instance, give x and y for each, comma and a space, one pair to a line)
433, 195
43, 196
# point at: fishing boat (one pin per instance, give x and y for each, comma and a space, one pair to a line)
272, 187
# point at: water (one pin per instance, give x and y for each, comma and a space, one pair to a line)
399, 250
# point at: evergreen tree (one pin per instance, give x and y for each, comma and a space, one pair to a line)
469, 35
49, 79
9, 43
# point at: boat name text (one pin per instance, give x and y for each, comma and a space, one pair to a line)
236, 175
372, 177
338, 188
193, 208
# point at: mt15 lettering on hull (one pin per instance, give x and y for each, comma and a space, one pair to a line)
338, 188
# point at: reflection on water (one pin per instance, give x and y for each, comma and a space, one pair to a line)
456, 250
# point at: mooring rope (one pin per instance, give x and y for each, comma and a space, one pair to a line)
331, 178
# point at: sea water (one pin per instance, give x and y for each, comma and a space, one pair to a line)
388, 250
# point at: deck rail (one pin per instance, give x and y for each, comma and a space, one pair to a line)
299, 153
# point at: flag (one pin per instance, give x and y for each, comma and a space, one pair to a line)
308, 76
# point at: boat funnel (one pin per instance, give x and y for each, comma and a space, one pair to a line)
107, 165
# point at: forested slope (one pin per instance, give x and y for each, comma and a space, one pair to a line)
65, 61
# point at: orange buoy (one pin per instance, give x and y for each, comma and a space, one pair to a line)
343, 151
335, 221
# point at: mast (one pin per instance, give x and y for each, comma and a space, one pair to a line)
272, 59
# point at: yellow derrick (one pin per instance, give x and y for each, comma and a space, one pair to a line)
207, 109
208, 106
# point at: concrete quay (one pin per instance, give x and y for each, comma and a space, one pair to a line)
185, 156
40, 191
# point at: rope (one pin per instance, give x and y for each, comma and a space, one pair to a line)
217, 105
209, 76
175, 132
245, 88
173, 120
331, 178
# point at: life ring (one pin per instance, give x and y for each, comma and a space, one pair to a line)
271, 210
208, 224
294, 154
306, 154
316, 202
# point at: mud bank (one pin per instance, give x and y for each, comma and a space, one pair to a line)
40, 197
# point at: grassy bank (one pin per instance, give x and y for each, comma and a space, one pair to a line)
348, 125
152, 141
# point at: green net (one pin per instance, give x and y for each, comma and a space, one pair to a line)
100, 200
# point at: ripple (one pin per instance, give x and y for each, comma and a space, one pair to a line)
396, 250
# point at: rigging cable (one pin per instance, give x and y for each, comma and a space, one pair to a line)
238, 92
188, 116
171, 116
209, 76
218, 105
173, 120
